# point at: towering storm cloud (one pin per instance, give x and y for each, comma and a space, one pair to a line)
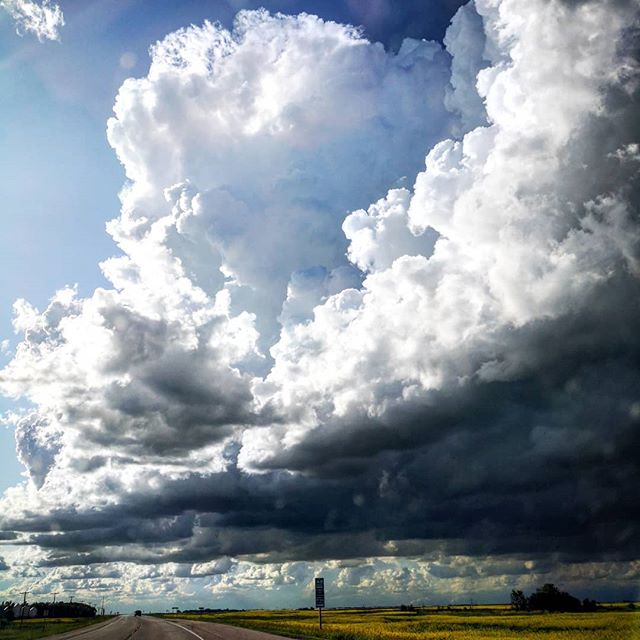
369, 304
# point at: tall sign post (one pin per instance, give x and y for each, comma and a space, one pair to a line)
320, 598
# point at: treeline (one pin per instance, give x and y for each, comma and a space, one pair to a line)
550, 598
12, 610
201, 610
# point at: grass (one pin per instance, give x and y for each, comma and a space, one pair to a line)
473, 623
30, 629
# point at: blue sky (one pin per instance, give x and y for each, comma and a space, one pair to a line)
366, 310
55, 159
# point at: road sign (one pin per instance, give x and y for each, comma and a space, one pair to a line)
319, 593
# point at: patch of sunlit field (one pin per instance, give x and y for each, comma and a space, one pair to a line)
470, 623
30, 629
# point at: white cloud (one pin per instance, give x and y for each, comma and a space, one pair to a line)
433, 579
263, 139
255, 328
466, 42
43, 19
381, 234
282, 125
515, 244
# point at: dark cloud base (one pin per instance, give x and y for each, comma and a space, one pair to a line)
539, 466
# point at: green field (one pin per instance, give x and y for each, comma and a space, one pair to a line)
472, 623
41, 628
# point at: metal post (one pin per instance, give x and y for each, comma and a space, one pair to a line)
319, 598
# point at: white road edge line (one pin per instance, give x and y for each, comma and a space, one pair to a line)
193, 633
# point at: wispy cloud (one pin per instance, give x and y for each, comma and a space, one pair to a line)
44, 20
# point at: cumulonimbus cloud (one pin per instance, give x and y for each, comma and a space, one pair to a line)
44, 19
313, 334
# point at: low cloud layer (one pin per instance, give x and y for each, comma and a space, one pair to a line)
44, 20
320, 346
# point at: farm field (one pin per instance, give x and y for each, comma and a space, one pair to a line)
472, 623
41, 628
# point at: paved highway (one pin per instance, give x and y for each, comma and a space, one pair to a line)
145, 628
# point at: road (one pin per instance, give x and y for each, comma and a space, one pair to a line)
147, 628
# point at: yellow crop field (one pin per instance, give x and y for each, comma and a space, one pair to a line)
473, 623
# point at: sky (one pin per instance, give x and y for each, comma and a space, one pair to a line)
307, 288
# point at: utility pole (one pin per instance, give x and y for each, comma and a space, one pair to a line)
24, 606
53, 606
103, 605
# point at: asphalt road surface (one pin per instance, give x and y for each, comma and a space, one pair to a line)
146, 628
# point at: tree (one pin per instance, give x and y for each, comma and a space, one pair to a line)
6, 613
518, 600
550, 598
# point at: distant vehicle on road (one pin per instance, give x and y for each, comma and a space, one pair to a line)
137, 612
